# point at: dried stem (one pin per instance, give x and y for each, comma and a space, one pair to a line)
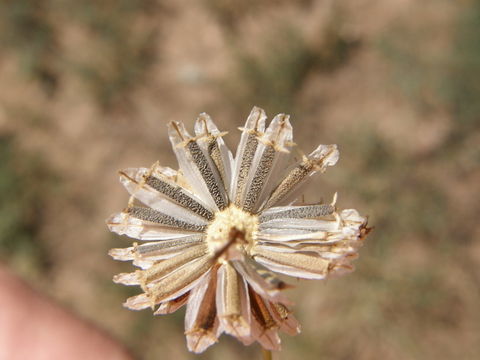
266, 354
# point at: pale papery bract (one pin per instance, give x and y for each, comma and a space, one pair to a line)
215, 233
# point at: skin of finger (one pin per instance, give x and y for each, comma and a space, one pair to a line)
34, 327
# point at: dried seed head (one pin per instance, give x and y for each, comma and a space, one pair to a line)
217, 231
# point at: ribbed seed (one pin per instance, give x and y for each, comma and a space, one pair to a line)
231, 292
180, 278
164, 267
260, 311
205, 170
215, 154
263, 169
300, 261
300, 172
158, 217
300, 212
177, 194
246, 162
165, 245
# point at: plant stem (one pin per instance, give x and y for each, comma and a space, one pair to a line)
266, 354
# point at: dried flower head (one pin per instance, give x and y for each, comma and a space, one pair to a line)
215, 232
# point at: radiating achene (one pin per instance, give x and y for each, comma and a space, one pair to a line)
216, 231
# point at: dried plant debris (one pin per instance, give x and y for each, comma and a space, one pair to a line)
215, 233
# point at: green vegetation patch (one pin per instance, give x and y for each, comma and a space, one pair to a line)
24, 186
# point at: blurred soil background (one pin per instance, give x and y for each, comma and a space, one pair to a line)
87, 88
